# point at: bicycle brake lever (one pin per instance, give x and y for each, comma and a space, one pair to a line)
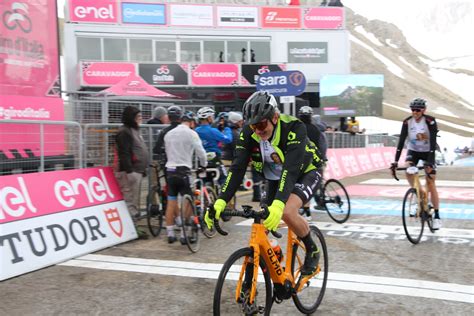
276, 234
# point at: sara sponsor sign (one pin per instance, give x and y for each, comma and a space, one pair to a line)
191, 15
143, 13
274, 17
105, 74
215, 74
282, 83
104, 11
164, 74
250, 73
29, 63
323, 18
307, 52
46, 218
229, 16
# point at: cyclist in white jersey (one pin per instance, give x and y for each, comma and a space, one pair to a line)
420, 130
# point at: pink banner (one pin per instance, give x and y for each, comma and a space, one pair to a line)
349, 162
37, 194
215, 74
105, 74
278, 17
27, 136
99, 11
323, 18
29, 63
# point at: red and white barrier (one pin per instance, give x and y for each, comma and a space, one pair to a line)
46, 218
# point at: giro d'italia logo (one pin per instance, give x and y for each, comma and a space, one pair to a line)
17, 17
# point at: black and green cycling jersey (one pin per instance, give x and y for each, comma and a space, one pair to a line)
296, 152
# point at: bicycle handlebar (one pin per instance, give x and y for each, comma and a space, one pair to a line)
246, 212
394, 171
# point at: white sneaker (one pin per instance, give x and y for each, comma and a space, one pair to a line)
412, 212
437, 224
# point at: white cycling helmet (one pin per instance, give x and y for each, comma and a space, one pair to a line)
205, 112
305, 110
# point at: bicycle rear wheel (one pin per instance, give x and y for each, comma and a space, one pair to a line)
412, 224
190, 220
208, 202
226, 299
311, 295
336, 201
154, 213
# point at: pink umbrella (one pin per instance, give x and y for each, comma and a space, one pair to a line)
134, 85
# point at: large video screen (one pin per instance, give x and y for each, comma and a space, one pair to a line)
351, 95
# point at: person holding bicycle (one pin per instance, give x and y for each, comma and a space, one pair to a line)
278, 147
180, 145
421, 130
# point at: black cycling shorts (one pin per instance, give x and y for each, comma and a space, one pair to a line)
413, 157
179, 181
305, 187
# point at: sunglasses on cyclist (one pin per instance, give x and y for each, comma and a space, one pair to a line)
416, 110
259, 126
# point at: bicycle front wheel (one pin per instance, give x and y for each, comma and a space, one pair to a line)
154, 213
336, 201
412, 223
191, 225
233, 276
308, 299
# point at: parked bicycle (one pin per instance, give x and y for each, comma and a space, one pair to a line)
244, 288
416, 210
333, 198
204, 196
156, 203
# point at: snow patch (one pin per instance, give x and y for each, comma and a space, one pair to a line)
444, 111
370, 36
468, 106
389, 43
403, 60
391, 66
461, 84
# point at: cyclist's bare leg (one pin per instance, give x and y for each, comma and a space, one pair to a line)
410, 177
172, 211
431, 184
291, 216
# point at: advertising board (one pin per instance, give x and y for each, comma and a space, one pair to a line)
282, 83
143, 13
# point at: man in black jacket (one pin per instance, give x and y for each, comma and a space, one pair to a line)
421, 131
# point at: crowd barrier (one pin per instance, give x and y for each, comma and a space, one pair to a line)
31, 146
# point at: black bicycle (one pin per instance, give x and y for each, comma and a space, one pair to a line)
156, 203
334, 199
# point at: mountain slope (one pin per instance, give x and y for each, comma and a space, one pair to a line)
380, 47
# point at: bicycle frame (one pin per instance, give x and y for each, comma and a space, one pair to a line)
261, 246
422, 194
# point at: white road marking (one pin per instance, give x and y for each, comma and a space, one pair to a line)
382, 229
342, 281
439, 183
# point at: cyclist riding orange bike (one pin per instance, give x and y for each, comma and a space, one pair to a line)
279, 149
421, 131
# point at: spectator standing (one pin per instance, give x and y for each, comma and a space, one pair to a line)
174, 115
132, 161
160, 116
211, 137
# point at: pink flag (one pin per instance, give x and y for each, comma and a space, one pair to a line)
134, 85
